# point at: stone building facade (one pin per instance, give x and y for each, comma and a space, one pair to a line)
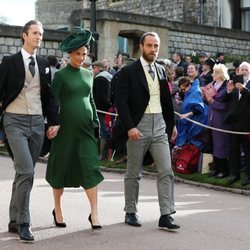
10, 41
177, 22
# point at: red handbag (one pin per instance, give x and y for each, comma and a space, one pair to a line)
187, 159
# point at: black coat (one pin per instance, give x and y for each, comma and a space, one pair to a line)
12, 78
238, 115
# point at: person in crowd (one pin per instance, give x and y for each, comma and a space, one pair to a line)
192, 72
188, 59
216, 116
236, 64
118, 144
220, 58
194, 108
238, 119
87, 64
63, 63
178, 74
202, 58
73, 159
101, 94
178, 60
207, 71
107, 66
53, 62
118, 62
27, 99
146, 117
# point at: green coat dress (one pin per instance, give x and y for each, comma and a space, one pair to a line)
73, 159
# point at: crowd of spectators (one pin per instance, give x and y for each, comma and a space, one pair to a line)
225, 107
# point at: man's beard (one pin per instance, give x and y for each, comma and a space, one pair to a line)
149, 58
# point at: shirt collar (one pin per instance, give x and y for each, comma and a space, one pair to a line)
145, 63
26, 55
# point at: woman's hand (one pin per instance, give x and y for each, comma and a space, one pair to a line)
186, 115
52, 131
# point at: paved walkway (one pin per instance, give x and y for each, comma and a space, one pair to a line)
209, 219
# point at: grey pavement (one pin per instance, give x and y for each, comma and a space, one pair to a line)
209, 219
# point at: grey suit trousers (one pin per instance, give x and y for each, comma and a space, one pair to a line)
25, 135
154, 139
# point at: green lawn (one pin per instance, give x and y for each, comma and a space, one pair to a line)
196, 177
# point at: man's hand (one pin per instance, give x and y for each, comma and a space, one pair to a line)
134, 134
52, 131
239, 86
174, 134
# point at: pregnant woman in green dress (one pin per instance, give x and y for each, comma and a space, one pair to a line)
73, 159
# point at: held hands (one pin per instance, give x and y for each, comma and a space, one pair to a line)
134, 134
52, 131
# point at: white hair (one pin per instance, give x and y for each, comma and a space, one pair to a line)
245, 64
222, 70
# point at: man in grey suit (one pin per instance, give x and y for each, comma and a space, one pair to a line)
26, 100
145, 111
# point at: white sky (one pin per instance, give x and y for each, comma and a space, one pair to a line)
17, 12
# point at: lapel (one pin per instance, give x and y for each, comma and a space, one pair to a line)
142, 77
19, 68
159, 72
141, 74
248, 85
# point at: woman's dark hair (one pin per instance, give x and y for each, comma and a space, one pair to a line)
26, 27
185, 81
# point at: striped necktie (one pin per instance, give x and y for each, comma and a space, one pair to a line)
151, 72
32, 66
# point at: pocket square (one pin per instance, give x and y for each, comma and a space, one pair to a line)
47, 70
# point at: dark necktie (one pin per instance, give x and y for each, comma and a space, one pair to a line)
151, 72
32, 65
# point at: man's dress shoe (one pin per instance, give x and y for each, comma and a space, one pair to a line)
25, 233
166, 222
13, 227
132, 220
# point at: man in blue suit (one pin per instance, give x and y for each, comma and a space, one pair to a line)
145, 111
26, 100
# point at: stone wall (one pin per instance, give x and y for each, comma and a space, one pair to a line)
178, 10
10, 42
183, 37
55, 13
175, 36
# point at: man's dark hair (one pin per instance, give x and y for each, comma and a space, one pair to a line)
148, 34
52, 60
26, 27
236, 63
219, 54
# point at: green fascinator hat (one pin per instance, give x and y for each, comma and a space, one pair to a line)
76, 41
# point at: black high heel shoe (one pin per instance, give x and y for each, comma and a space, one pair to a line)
94, 226
55, 221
